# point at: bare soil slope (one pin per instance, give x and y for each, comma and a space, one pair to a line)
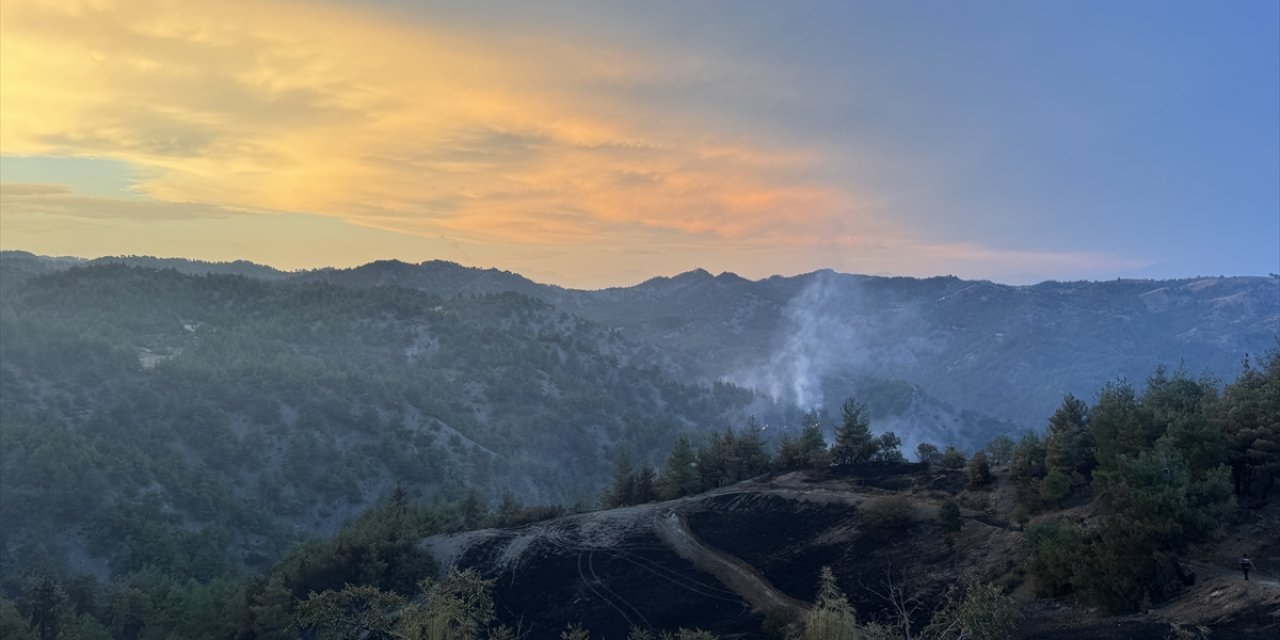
725, 559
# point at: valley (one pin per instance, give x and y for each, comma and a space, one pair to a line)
249, 439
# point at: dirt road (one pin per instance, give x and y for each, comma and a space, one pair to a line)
730, 571
1206, 570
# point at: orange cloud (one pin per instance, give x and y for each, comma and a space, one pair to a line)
498, 140
408, 127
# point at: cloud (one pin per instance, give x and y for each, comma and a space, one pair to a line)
17, 190
491, 138
406, 126
32, 202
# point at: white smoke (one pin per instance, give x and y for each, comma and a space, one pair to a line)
817, 337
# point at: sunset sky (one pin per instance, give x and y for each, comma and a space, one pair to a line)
594, 144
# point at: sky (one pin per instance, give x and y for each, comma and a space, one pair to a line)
593, 144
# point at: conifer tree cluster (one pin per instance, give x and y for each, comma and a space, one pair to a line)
1161, 469
732, 456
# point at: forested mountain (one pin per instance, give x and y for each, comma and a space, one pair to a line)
965, 359
173, 426
1010, 352
210, 414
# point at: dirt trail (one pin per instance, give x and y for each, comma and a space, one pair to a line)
732, 572
1222, 597
1206, 570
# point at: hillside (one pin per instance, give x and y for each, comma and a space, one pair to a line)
239, 438
724, 560
1005, 351
944, 359
223, 417
999, 352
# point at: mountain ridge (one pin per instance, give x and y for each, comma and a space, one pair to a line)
974, 344
199, 266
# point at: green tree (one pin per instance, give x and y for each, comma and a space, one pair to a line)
714, 461
974, 611
750, 458
460, 607
952, 458
832, 617
1249, 418
812, 444
1027, 470
47, 607
1155, 508
978, 471
645, 487
679, 475
1069, 448
355, 611
575, 632
928, 453
14, 625
1055, 487
1000, 450
1119, 425
854, 442
1056, 547
621, 491
888, 448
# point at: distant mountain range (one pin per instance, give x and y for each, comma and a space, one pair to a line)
1008, 353
177, 400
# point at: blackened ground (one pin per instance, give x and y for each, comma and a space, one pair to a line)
773, 534
637, 582
609, 570
789, 540
1064, 621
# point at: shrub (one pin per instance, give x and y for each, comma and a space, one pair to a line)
952, 458
891, 512
978, 471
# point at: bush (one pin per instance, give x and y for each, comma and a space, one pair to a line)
978, 471
1055, 551
952, 458
891, 512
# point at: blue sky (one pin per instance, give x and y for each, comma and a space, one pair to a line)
593, 143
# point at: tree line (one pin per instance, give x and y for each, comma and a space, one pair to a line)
1156, 471
731, 456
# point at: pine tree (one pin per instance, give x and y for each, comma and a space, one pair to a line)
812, 445
1027, 469
1000, 450
831, 618
854, 442
1118, 425
714, 460
645, 486
680, 474
622, 489
1069, 448
47, 607
1055, 487
789, 453
750, 459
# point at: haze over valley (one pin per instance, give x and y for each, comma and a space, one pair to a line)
216, 414
582, 320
